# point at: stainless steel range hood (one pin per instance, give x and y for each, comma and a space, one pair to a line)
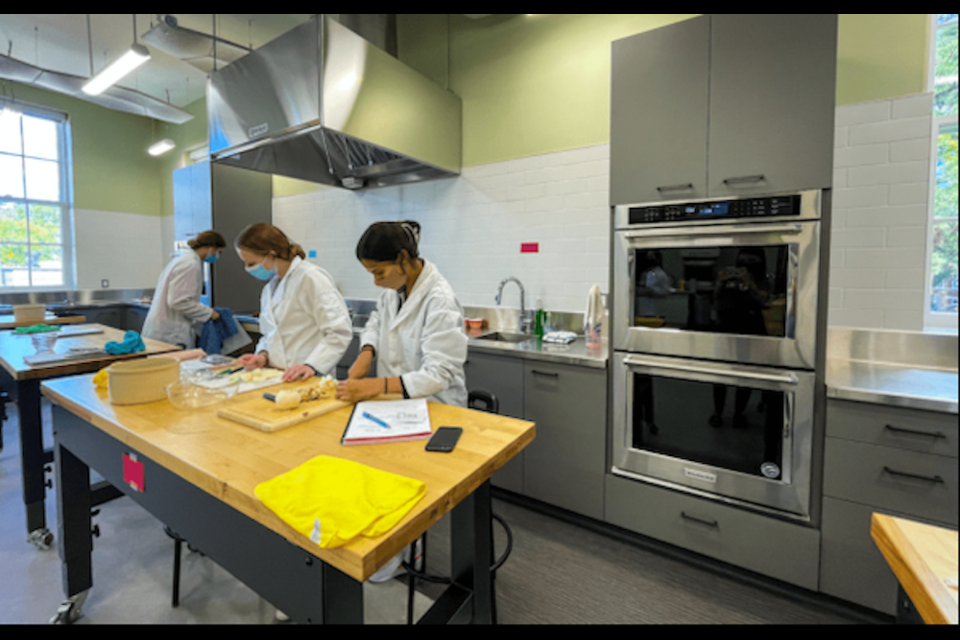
322, 104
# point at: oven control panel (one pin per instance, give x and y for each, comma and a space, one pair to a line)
769, 207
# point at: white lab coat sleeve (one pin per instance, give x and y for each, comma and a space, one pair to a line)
443, 350
333, 320
267, 326
183, 294
371, 331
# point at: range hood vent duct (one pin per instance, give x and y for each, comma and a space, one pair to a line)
320, 103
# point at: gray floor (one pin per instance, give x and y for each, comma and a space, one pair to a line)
558, 573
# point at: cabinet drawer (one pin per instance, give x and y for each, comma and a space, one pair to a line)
851, 565
916, 484
765, 545
922, 431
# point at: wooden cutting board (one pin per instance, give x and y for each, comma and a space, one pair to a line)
263, 414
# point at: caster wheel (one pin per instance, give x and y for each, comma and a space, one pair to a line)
71, 610
41, 538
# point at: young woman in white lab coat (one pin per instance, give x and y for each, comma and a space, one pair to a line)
304, 322
416, 331
176, 312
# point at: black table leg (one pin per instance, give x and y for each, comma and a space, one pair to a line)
74, 526
471, 537
33, 460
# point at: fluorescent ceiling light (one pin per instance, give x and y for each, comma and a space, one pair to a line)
110, 75
159, 148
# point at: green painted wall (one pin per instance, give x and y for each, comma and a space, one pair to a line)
538, 83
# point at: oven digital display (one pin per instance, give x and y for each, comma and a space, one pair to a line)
697, 211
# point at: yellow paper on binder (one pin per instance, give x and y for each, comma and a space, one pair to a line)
332, 501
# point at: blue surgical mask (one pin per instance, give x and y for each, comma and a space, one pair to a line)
260, 272
213, 257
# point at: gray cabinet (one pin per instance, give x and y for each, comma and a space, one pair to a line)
772, 102
565, 464
658, 113
502, 377
881, 459
723, 105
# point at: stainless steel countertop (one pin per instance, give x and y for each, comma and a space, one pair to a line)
892, 384
575, 353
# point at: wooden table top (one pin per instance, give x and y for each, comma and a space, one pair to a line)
923, 557
9, 321
227, 459
14, 347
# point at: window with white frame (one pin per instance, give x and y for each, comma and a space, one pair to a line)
36, 235
941, 294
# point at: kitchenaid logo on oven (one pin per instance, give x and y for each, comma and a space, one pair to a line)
703, 476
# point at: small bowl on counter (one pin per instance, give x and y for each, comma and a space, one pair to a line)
187, 396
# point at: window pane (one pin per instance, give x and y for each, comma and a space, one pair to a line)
43, 179
13, 266
13, 222
945, 196
945, 102
11, 176
46, 264
40, 138
44, 224
10, 132
943, 296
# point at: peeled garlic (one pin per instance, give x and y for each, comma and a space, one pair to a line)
288, 399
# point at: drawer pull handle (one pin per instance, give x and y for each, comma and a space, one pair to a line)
548, 374
677, 187
904, 474
730, 182
703, 521
914, 432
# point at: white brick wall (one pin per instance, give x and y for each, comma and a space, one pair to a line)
473, 226
881, 185
125, 248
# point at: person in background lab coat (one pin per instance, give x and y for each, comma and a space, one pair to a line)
176, 311
416, 331
304, 322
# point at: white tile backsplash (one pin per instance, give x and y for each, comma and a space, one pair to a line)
881, 187
473, 226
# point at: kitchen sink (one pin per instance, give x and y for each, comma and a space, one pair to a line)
501, 336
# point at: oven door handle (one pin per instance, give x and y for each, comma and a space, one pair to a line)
792, 228
788, 378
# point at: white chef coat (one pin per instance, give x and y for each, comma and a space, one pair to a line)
423, 342
176, 312
304, 319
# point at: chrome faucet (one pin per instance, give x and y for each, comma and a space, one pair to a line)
526, 316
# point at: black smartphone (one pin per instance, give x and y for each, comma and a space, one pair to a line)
444, 439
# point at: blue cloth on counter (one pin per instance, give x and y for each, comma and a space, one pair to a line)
216, 332
132, 342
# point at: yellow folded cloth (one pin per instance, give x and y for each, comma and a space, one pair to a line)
333, 501
101, 378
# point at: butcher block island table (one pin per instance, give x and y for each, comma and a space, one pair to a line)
22, 381
199, 472
924, 559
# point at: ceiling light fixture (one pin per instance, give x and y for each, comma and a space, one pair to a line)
112, 73
159, 148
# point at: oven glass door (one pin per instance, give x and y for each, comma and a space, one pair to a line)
744, 293
739, 432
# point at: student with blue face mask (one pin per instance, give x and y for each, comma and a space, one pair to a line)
304, 322
176, 310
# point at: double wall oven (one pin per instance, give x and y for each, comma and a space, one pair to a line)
717, 313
